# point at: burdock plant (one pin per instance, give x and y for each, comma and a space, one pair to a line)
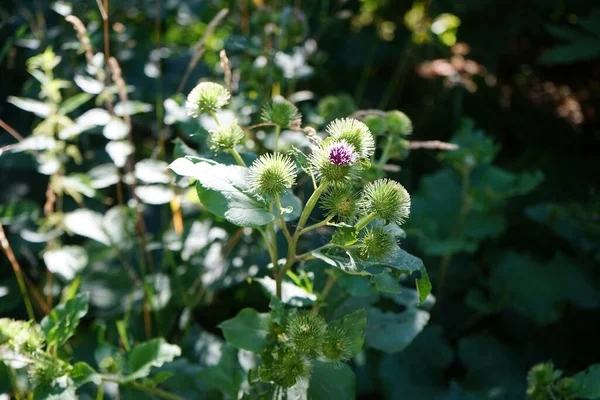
361, 217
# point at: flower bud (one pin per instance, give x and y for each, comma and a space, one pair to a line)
335, 162
340, 203
398, 123
289, 368
355, 133
388, 199
337, 346
375, 243
225, 137
375, 123
280, 112
206, 97
271, 175
306, 332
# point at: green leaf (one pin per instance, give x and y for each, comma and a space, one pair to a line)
329, 382
248, 330
40, 109
385, 281
584, 49
82, 373
61, 323
590, 383
277, 311
224, 191
114, 228
73, 103
153, 353
391, 332
66, 261
61, 388
290, 293
354, 325
227, 375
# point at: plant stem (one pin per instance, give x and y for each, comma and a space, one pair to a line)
277, 133
237, 157
310, 204
385, 155
18, 273
280, 221
315, 226
325, 292
138, 386
364, 221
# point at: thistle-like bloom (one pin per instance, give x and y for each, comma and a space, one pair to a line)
226, 137
206, 97
272, 174
337, 345
355, 133
335, 161
375, 243
340, 203
306, 332
398, 123
280, 112
388, 199
289, 368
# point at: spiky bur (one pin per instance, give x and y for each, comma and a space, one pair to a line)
280, 112
21, 337
306, 332
271, 175
226, 137
337, 345
543, 379
388, 199
206, 97
289, 368
335, 161
355, 133
340, 203
375, 243
398, 123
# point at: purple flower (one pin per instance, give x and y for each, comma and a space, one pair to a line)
342, 153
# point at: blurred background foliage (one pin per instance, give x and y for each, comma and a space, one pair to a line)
508, 225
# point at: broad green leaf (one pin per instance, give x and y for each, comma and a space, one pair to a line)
114, 228
61, 323
73, 103
66, 261
103, 176
153, 353
227, 375
248, 330
391, 332
590, 383
119, 150
154, 194
61, 388
277, 311
354, 325
385, 281
224, 191
116, 129
583, 49
82, 373
78, 183
329, 382
88, 85
152, 171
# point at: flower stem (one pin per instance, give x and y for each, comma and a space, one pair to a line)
310, 204
364, 221
237, 157
143, 388
277, 133
315, 226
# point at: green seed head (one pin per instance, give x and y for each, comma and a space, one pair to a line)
280, 112
289, 368
355, 133
225, 137
271, 175
375, 243
206, 97
375, 123
336, 347
306, 332
340, 203
397, 123
388, 199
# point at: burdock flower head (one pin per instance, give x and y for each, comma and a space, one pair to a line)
340, 202
335, 161
280, 112
271, 175
398, 123
337, 346
375, 243
226, 137
306, 332
206, 97
355, 133
387, 199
